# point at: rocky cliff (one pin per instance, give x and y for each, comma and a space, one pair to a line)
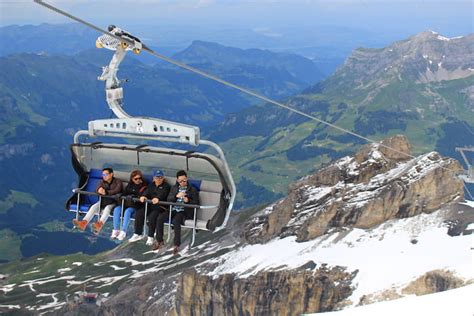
290, 292
373, 186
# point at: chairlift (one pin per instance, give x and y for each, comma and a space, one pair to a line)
209, 173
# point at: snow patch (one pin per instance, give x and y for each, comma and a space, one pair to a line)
407, 248
10, 306
442, 38
7, 288
108, 280
453, 302
113, 266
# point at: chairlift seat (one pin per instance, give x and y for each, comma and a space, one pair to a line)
86, 201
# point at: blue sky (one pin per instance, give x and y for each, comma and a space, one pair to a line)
272, 24
445, 16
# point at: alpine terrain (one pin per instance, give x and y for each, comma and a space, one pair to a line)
369, 227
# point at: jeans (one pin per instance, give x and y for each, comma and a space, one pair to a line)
129, 211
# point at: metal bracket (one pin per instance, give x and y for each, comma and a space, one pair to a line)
468, 177
137, 127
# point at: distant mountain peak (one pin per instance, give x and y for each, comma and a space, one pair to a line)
422, 58
433, 35
251, 63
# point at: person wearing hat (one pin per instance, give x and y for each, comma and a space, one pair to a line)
157, 191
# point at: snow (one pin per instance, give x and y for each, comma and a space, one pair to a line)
373, 252
73, 282
54, 303
41, 281
453, 302
7, 288
468, 203
113, 266
442, 38
77, 264
10, 306
108, 280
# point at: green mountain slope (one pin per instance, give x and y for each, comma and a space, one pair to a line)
420, 87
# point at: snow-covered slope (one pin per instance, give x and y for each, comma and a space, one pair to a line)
389, 256
453, 302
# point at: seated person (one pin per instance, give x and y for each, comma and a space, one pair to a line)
181, 192
157, 191
108, 186
134, 189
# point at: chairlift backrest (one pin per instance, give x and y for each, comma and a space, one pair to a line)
95, 176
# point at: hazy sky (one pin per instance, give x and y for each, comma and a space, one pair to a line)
452, 17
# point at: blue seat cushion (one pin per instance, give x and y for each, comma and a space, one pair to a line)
83, 208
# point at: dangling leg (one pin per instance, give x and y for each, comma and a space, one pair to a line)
96, 227
126, 219
151, 221
117, 215
177, 220
93, 210
160, 223
139, 222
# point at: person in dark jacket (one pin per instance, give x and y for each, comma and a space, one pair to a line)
181, 192
135, 188
109, 186
156, 191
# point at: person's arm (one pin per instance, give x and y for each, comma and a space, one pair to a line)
115, 187
100, 185
193, 196
172, 194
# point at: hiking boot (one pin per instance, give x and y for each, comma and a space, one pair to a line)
149, 241
157, 245
96, 227
175, 250
115, 233
121, 235
79, 224
135, 238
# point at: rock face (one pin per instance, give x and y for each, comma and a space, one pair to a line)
289, 292
432, 282
363, 191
